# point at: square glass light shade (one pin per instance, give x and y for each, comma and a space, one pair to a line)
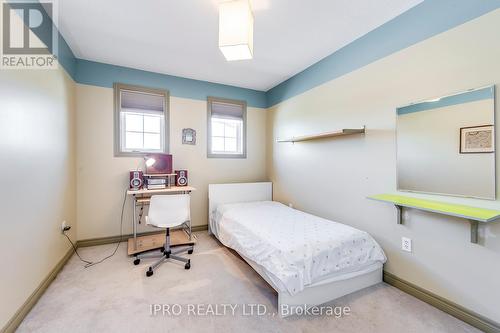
236, 30
236, 52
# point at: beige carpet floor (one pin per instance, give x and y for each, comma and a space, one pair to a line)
116, 296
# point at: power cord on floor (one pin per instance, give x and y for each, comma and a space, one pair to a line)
91, 263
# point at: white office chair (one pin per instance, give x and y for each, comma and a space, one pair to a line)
167, 211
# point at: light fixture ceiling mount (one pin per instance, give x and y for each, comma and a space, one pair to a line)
236, 30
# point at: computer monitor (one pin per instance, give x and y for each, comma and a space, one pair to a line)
162, 164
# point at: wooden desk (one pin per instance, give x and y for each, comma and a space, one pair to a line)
171, 189
142, 197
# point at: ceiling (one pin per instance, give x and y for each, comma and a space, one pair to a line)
180, 37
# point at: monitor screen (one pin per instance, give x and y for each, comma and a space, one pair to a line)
162, 164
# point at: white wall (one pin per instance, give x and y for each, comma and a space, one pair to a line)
103, 178
332, 178
37, 144
428, 156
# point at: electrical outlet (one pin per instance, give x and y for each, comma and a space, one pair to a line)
65, 226
406, 244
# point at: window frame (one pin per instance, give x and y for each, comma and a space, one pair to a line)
117, 88
243, 104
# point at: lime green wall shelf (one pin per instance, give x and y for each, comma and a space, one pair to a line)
475, 215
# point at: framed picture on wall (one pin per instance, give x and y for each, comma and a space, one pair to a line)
477, 139
188, 136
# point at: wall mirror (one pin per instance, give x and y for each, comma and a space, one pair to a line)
446, 145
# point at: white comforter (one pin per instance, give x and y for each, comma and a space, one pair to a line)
295, 248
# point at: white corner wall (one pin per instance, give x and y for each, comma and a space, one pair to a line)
37, 145
332, 178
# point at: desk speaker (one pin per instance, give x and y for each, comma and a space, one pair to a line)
181, 177
136, 181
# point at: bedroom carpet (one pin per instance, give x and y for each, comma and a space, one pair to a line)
117, 296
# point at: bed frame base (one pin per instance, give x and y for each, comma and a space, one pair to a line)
316, 295
321, 292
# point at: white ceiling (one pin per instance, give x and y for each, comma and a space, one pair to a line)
180, 37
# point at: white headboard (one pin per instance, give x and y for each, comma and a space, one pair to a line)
237, 192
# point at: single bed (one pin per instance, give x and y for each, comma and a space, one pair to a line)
308, 260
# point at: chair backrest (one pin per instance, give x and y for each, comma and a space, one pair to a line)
167, 211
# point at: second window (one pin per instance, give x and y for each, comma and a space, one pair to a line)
226, 128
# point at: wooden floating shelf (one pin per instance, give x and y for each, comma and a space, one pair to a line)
475, 215
340, 132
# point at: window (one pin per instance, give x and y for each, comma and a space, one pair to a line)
226, 128
141, 120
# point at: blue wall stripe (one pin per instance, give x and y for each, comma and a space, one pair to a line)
466, 97
66, 57
423, 21
104, 75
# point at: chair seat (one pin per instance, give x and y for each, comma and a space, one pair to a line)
167, 211
163, 225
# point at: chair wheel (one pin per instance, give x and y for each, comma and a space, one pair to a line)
137, 261
187, 266
149, 272
190, 251
162, 249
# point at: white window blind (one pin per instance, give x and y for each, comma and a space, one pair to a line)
142, 101
227, 110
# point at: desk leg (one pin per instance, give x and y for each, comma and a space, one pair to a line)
190, 229
134, 222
